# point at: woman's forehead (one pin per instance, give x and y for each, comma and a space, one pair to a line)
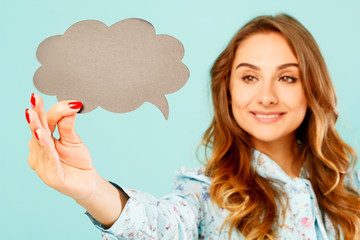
270, 49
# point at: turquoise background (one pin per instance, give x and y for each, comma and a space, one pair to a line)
141, 149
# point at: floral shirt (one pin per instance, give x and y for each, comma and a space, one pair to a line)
188, 213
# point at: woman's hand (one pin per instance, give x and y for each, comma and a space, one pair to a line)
64, 164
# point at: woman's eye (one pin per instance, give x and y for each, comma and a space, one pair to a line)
249, 78
287, 79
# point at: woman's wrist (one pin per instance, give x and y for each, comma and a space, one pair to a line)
105, 203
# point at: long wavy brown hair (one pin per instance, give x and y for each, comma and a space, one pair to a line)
252, 200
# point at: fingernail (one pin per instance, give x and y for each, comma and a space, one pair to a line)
36, 135
33, 101
75, 105
27, 115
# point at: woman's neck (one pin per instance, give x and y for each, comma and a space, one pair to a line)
285, 152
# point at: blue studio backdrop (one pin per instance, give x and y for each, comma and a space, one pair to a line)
141, 149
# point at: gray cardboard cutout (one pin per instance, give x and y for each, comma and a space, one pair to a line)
117, 68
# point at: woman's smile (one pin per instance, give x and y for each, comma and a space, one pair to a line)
267, 117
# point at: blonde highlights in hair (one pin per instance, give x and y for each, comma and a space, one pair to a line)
252, 200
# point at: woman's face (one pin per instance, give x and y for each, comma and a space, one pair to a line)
267, 96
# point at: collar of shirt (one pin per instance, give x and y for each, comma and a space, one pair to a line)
303, 217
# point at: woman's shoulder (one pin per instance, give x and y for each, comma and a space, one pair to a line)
192, 182
352, 179
192, 175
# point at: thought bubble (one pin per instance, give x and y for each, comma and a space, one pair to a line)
117, 68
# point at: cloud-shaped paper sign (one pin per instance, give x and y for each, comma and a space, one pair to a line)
117, 68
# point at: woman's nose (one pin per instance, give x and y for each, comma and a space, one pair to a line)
267, 100
267, 95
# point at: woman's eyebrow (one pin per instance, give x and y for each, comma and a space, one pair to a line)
280, 67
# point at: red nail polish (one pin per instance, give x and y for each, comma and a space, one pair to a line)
27, 115
36, 135
75, 105
33, 101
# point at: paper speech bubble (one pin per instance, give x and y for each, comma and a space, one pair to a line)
117, 68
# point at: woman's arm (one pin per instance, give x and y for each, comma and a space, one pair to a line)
65, 164
106, 203
177, 215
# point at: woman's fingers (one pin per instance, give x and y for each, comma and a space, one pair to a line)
66, 127
62, 114
60, 110
44, 139
42, 144
38, 106
44, 159
42, 126
33, 119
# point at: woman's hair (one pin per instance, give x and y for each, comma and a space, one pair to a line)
251, 199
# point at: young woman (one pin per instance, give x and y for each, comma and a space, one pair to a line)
278, 168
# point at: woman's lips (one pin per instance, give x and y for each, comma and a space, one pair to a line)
267, 117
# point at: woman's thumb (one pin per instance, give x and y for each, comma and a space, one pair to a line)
66, 127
